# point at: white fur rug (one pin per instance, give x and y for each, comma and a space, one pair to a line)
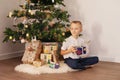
27, 68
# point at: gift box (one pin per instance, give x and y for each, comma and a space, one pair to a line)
32, 51
49, 52
46, 57
38, 63
80, 50
49, 47
54, 65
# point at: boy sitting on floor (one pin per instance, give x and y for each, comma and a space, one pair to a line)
74, 58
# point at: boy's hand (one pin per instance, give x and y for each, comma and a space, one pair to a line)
72, 49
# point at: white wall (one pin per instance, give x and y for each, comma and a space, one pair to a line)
101, 22
8, 50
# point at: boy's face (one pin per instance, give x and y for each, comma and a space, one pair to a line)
75, 29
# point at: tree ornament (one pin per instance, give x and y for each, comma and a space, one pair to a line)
10, 14
63, 34
52, 1
29, 11
34, 38
27, 35
14, 40
23, 40
10, 37
26, 26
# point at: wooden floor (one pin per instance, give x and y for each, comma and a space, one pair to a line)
102, 71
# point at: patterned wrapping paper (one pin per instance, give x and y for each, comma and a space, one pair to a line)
32, 51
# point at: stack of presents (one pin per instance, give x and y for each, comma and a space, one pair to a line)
38, 54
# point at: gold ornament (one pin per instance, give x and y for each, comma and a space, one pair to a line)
63, 34
27, 35
26, 26
29, 11
10, 37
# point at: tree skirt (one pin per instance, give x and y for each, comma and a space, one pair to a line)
27, 68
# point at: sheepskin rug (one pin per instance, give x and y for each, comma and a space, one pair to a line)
27, 68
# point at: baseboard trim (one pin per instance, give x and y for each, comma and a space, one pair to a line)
11, 55
109, 59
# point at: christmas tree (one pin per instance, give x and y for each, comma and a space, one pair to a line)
44, 20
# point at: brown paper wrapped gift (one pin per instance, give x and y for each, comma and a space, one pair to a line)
32, 51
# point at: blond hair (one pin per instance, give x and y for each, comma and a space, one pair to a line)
76, 22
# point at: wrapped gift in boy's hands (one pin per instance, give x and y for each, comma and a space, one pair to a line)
80, 50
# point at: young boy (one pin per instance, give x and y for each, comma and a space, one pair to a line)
69, 49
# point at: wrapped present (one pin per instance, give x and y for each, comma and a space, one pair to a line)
46, 57
49, 57
32, 51
49, 52
38, 63
80, 50
54, 65
49, 47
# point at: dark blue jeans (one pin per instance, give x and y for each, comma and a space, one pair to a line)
81, 63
